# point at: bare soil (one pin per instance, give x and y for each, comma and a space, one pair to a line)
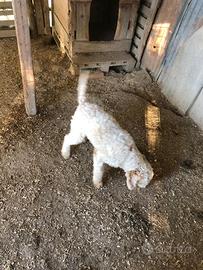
52, 218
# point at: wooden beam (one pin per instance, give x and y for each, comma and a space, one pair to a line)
7, 33
102, 46
4, 5
6, 12
24, 49
6, 23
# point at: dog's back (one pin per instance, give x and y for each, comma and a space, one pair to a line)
103, 132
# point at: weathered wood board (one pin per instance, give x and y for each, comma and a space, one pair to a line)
39, 16
146, 15
101, 46
7, 33
104, 60
163, 27
24, 49
60, 9
123, 22
6, 5
83, 15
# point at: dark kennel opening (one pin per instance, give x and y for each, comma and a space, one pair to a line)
103, 20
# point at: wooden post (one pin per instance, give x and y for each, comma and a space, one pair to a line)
24, 49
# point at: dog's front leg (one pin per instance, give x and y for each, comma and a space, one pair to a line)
98, 170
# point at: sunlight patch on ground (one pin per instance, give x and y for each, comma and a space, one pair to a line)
152, 123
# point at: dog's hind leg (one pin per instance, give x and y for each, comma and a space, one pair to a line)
71, 139
98, 170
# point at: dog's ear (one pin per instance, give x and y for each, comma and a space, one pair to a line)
132, 178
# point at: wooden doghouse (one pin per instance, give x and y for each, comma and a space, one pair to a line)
95, 33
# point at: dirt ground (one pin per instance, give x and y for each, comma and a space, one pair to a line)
52, 218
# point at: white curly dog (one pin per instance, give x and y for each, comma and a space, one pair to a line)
112, 145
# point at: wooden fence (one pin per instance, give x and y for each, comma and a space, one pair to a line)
38, 16
7, 28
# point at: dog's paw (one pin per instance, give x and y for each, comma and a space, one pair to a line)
98, 185
65, 154
142, 184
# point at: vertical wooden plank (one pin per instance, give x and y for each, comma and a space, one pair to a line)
39, 16
160, 35
132, 20
83, 17
24, 49
71, 26
47, 28
60, 9
73, 18
32, 20
147, 24
124, 16
52, 16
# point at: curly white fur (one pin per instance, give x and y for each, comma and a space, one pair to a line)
113, 145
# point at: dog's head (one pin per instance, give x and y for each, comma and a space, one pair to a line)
139, 177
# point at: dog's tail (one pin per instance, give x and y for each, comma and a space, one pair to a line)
82, 86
